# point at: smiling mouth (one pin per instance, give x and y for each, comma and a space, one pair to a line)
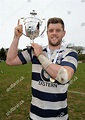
54, 38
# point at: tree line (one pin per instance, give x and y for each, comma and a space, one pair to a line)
79, 49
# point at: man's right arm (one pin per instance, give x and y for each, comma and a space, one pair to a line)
12, 54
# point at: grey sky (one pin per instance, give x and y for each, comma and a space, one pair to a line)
71, 11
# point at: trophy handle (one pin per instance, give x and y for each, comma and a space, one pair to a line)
43, 22
22, 23
43, 31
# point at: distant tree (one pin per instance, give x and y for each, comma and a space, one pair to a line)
79, 49
2, 54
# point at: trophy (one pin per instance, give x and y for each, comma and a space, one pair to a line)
33, 27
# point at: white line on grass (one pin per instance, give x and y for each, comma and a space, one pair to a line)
76, 92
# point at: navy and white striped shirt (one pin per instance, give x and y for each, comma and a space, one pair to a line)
49, 100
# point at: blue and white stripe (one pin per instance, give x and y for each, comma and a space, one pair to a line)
49, 100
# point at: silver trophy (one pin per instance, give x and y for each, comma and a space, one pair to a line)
33, 27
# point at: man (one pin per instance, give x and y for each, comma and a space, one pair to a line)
52, 69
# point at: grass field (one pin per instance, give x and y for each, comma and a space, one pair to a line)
15, 92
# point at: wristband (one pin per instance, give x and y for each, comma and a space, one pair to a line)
62, 76
44, 61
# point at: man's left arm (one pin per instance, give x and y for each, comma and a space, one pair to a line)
62, 73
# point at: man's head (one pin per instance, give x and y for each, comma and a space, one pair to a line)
55, 20
55, 31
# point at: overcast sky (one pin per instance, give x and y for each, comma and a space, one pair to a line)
71, 11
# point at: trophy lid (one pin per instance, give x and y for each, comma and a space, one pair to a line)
33, 13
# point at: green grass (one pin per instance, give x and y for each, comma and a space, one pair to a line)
15, 92
76, 101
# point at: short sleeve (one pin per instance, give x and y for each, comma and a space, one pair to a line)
70, 59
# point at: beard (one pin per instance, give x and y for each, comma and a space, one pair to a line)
55, 43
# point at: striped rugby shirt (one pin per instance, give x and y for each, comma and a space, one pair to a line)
49, 100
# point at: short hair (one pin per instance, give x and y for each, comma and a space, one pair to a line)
55, 20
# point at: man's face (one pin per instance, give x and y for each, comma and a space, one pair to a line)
55, 34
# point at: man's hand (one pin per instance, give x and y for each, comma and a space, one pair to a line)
37, 49
18, 30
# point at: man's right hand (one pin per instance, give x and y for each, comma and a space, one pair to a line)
18, 29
